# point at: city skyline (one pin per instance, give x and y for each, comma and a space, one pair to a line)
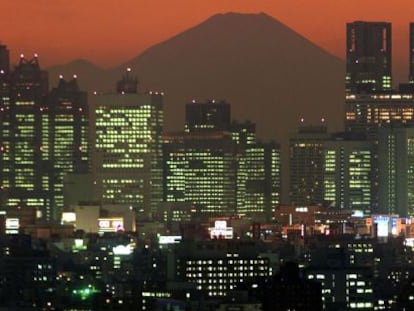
111, 40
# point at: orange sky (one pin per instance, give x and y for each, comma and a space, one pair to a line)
109, 32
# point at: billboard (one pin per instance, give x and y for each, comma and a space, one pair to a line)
113, 224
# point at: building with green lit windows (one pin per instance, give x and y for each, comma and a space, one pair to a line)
258, 172
44, 136
127, 147
338, 170
396, 170
218, 166
68, 146
349, 174
200, 168
25, 174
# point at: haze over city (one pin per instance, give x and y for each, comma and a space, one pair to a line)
207, 155
110, 32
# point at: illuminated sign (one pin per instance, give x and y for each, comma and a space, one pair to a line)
12, 225
122, 250
68, 217
220, 230
110, 224
169, 239
385, 225
78, 244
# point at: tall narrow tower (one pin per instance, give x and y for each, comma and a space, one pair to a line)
26, 171
68, 137
368, 57
127, 147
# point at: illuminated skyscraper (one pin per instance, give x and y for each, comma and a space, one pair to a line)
200, 168
365, 113
338, 170
258, 172
4, 121
258, 180
69, 137
306, 165
396, 170
27, 164
127, 151
368, 57
349, 173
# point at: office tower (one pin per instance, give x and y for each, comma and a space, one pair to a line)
4, 121
349, 172
200, 168
258, 172
365, 113
210, 116
368, 57
127, 139
68, 137
258, 180
306, 165
396, 170
26, 171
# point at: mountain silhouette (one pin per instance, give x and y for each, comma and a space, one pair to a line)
266, 71
269, 74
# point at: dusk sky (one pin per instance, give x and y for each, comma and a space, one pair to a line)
109, 32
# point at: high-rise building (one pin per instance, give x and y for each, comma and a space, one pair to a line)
210, 116
365, 113
68, 137
258, 172
4, 121
396, 170
368, 57
25, 174
200, 168
339, 170
127, 147
306, 165
349, 172
258, 180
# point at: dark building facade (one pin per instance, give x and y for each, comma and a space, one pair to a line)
68, 137
368, 57
210, 116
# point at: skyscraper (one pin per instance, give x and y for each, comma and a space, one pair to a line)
306, 165
349, 173
69, 137
365, 113
258, 172
25, 174
200, 168
4, 121
127, 151
396, 170
368, 57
